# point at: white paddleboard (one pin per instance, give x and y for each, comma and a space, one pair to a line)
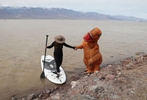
50, 67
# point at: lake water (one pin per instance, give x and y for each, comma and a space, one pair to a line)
22, 43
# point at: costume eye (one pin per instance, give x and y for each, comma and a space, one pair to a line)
99, 35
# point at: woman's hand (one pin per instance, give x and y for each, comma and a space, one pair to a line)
75, 48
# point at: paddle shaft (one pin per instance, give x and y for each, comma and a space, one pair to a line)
45, 51
42, 74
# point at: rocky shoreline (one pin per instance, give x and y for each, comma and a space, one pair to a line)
124, 80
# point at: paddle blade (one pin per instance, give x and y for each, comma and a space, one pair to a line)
42, 75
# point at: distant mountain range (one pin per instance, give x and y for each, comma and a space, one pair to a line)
58, 13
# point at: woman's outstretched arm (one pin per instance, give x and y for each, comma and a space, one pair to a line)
69, 46
50, 46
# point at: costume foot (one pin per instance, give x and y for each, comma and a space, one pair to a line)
85, 70
87, 73
96, 72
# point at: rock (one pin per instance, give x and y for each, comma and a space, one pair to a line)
110, 77
116, 96
73, 78
23, 99
37, 99
43, 95
31, 96
130, 66
56, 97
13, 98
101, 77
99, 89
48, 91
93, 87
82, 97
73, 84
140, 53
96, 88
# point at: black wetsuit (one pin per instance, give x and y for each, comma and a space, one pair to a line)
58, 53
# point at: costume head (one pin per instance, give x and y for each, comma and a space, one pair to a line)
59, 39
93, 35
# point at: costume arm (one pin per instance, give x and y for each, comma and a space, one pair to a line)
50, 46
79, 47
67, 45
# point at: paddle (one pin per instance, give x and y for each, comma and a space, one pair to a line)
42, 74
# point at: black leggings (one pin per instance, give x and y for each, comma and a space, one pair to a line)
58, 60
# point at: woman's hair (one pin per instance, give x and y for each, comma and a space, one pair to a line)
58, 45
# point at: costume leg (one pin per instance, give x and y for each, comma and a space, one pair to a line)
90, 68
97, 65
86, 63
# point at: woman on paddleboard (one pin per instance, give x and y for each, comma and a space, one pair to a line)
58, 52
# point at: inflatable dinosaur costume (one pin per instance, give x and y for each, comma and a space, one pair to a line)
92, 55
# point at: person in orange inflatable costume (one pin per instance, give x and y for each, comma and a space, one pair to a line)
92, 55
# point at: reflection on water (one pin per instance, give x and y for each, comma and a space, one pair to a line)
44, 83
23, 41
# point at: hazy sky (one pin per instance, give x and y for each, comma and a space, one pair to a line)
136, 8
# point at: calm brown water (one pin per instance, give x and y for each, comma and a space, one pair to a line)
22, 43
